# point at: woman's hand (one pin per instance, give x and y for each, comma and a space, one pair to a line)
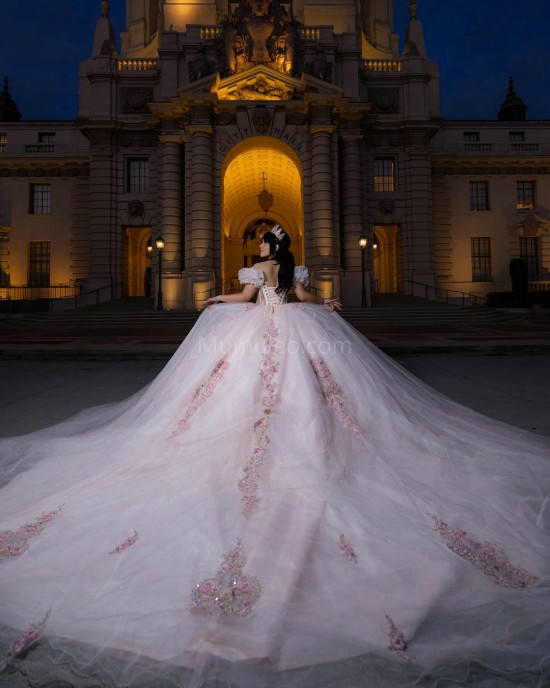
332, 304
211, 301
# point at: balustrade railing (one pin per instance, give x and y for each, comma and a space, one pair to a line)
478, 147
502, 148
539, 285
209, 33
15, 150
382, 65
310, 33
137, 65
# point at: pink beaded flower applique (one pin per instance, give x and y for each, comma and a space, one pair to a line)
396, 639
248, 484
489, 558
127, 543
334, 395
14, 543
346, 549
23, 642
200, 395
230, 591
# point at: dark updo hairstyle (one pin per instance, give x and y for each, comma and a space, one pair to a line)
282, 256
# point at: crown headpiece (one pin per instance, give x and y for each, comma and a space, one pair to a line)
278, 231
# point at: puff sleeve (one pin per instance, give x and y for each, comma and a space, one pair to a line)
301, 274
251, 276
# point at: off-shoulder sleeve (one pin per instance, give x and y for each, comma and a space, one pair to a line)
251, 276
301, 274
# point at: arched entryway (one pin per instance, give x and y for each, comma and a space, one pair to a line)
138, 261
259, 164
385, 259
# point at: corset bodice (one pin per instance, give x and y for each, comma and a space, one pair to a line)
268, 296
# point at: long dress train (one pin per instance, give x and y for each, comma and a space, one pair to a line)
282, 506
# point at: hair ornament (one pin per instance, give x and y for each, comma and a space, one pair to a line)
277, 230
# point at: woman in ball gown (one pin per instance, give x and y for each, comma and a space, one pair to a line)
283, 506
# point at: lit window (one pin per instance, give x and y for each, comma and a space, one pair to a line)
3, 141
384, 174
137, 175
481, 259
40, 199
529, 252
526, 196
479, 195
471, 136
39, 264
517, 136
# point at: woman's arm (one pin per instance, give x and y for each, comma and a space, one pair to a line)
247, 294
308, 297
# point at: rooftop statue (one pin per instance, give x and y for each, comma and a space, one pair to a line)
260, 32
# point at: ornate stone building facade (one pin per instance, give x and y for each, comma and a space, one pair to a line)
218, 119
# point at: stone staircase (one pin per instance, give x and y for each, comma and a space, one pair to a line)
387, 310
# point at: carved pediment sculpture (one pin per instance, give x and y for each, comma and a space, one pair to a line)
260, 32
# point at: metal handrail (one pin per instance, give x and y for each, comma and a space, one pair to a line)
474, 299
116, 290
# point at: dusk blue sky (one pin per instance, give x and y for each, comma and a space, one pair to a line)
478, 44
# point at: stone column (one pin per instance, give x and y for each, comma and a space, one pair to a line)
353, 193
170, 225
201, 270
80, 231
104, 246
321, 198
202, 198
325, 278
171, 204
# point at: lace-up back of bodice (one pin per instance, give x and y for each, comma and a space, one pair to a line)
268, 296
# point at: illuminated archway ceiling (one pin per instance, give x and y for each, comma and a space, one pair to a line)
243, 183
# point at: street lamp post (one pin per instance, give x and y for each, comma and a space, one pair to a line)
159, 243
363, 243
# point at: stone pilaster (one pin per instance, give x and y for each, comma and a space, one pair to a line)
80, 241
416, 255
323, 245
200, 275
171, 203
104, 236
202, 197
353, 195
322, 231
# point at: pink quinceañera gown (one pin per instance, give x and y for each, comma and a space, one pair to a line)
283, 506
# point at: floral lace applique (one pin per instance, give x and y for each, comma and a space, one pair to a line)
200, 395
346, 549
23, 642
230, 591
333, 394
248, 484
396, 639
127, 543
488, 557
14, 543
